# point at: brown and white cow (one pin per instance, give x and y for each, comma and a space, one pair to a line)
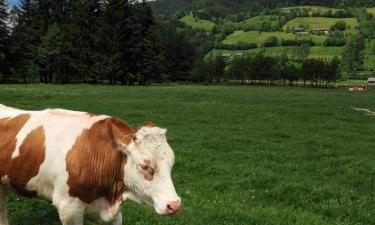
87, 165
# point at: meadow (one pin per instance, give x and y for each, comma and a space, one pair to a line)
315, 52
197, 23
321, 22
257, 21
259, 37
245, 155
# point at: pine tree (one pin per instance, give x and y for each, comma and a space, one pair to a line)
25, 38
3, 38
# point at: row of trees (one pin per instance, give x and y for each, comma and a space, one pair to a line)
268, 70
114, 41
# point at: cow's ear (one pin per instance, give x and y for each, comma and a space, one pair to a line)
123, 135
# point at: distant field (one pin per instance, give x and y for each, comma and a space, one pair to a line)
371, 10
313, 9
257, 21
259, 38
320, 22
197, 23
244, 155
315, 52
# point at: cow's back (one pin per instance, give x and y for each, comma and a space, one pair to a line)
34, 145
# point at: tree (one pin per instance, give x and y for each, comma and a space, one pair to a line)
339, 25
4, 38
25, 39
52, 55
302, 52
353, 54
271, 41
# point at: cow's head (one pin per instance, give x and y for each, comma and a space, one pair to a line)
148, 170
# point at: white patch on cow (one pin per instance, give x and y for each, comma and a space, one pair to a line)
4, 180
52, 177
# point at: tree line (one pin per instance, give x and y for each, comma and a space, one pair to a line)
114, 41
266, 70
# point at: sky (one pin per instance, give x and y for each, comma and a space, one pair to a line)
14, 2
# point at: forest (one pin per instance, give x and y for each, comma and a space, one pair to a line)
139, 42
63, 41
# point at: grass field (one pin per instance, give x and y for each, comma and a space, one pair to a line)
321, 22
257, 21
315, 52
313, 9
197, 23
259, 38
245, 155
371, 10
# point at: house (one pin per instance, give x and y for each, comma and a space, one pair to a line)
238, 54
299, 30
371, 82
319, 31
227, 56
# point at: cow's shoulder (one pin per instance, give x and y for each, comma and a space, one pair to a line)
95, 167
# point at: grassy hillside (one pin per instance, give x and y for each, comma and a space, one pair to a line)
259, 38
314, 9
257, 21
371, 10
244, 155
320, 22
197, 23
315, 52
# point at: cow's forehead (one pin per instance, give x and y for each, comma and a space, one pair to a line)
152, 141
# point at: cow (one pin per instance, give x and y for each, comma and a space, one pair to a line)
87, 165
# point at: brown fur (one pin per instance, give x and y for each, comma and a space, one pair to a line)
95, 166
149, 124
27, 164
24, 167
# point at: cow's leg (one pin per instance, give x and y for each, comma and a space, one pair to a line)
117, 220
3, 206
71, 211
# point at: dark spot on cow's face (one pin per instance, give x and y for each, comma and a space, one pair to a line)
147, 169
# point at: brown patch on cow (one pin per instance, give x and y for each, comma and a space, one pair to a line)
147, 169
149, 124
24, 167
27, 164
94, 164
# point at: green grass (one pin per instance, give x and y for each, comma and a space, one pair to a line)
259, 38
313, 9
315, 52
245, 155
257, 21
371, 10
197, 23
321, 22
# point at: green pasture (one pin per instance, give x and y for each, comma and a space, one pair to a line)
259, 37
197, 23
313, 9
371, 10
257, 21
244, 155
320, 22
315, 52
